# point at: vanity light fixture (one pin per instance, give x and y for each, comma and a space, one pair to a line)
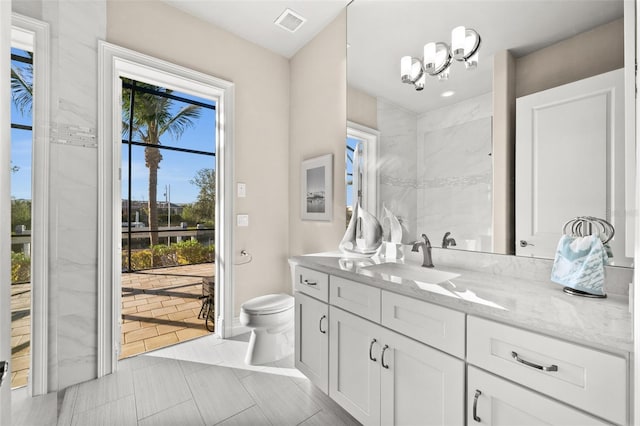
438, 56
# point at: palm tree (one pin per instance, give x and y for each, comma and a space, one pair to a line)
22, 86
153, 116
22, 91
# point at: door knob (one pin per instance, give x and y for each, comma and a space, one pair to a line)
524, 243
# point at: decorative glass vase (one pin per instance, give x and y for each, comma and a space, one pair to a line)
364, 233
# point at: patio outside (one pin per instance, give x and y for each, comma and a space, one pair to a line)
160, 307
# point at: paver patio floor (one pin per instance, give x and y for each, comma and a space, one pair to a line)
160, 307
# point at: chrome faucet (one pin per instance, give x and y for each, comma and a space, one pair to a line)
447, 240
426, 251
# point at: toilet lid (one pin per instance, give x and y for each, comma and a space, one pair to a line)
269, 304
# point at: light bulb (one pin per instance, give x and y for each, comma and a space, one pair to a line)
430, 57
405, 69
458, 37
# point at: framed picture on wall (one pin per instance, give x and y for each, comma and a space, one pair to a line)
317, 184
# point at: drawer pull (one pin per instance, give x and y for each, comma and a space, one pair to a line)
370, 349
307, 282
475, 406
382, 360
320, 325
515, 356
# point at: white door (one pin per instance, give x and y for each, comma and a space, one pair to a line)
312, 340
5, 207
580, 123
492, 400
354, 365
420, 385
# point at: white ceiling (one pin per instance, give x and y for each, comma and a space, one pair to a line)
253, 20
381, 32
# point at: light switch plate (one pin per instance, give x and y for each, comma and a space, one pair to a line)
242, 190
243, 220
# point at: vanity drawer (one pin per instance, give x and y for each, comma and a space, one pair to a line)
312, 283
585, 378
434, 325
360, 299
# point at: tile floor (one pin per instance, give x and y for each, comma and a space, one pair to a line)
200, 382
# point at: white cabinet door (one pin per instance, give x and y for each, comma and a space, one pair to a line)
419, 385
312, 340
569, 161
494, 401
354, 365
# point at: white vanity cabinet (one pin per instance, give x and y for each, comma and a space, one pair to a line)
492, 400
581, 377
380, 375
312, 340
312, 325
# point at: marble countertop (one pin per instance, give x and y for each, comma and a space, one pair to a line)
539, 306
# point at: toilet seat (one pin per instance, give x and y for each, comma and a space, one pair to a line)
269, 304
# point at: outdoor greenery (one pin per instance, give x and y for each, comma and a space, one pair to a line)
183, 253
20, 267
20, 213
152, 118
203, 210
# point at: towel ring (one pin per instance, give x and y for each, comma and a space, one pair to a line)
582, 226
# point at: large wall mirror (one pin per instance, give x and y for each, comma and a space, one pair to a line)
450, 154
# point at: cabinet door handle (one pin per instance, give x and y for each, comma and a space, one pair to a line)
370, 349
307, 282
320, 325
475, 406
382, 360
515, 356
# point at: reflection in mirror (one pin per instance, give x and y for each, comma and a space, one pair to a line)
446, 153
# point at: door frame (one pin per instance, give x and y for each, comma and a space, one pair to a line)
114, 62
5, 204
33, 35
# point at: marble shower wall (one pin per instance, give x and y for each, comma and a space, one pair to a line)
75, 28
397, 166
454, 177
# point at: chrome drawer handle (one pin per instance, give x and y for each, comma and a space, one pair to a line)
370, 349
515, 356
382, 360
320, 325
475, 406
307, 282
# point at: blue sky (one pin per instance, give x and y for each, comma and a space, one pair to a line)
176, 169
21, 150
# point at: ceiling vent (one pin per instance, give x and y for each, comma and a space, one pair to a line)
289, 20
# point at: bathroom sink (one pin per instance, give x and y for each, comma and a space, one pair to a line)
412, 273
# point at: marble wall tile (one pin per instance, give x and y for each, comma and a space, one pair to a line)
75, 28
455, 175
397, 166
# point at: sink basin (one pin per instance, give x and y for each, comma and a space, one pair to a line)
412, 273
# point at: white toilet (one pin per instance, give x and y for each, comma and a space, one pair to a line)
271, 318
